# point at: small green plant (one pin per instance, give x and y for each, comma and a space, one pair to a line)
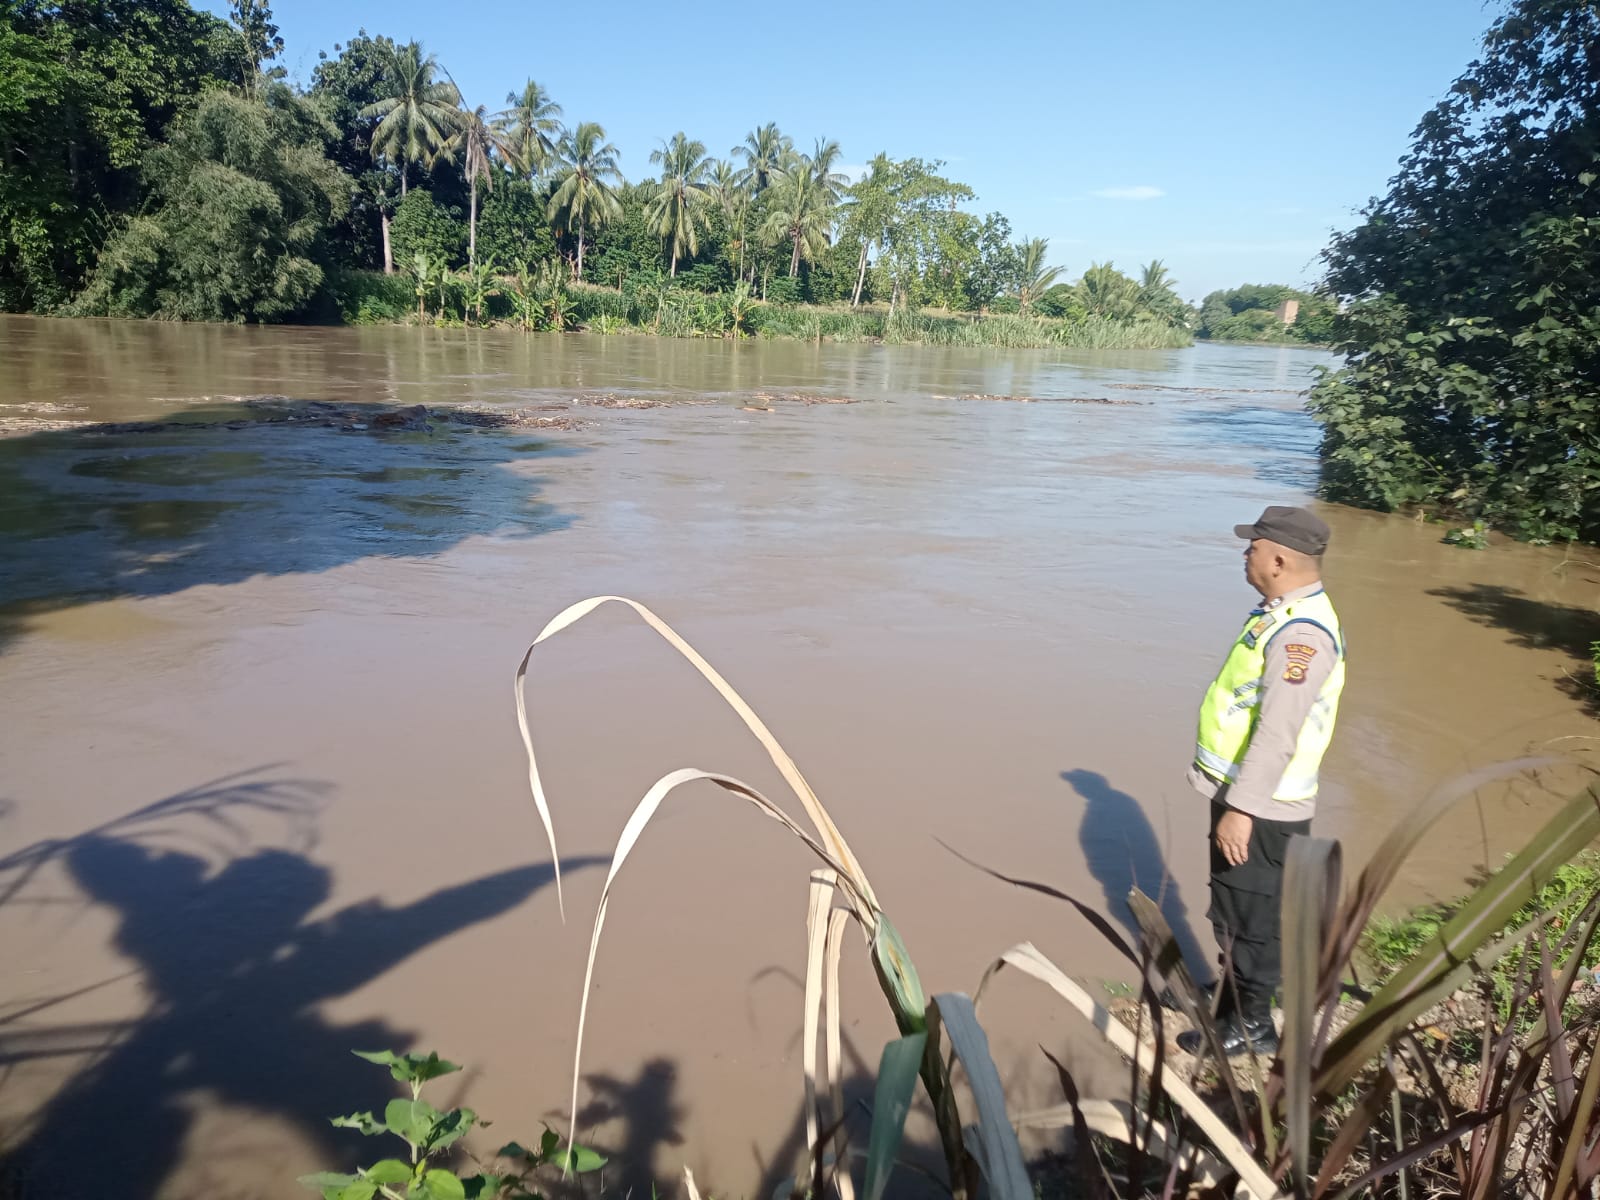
1389, 942
431, 1137
1473, 537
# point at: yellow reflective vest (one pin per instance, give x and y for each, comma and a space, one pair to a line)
1229, 712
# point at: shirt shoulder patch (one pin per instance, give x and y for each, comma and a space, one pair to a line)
1253, 634
1300, 656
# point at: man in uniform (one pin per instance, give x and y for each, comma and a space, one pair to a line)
1265, 724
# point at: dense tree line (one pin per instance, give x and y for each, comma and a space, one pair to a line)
157, 163
1472, 334
1250, 314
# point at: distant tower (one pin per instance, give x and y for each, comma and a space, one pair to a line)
1288, 311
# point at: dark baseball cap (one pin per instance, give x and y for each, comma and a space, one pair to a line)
1292, 527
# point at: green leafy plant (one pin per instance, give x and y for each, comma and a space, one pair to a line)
1472, 537
1471, 336
432, 1138
1389, 941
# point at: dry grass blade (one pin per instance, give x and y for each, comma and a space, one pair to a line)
690, 1191
1001, 1155
1027, 959
827, 831
1310, 893
837, 920
1160, 943
1110, 1118
820, 901
629, 838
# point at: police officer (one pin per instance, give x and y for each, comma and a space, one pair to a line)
1265, 724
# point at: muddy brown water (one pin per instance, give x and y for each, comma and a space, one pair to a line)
264, 799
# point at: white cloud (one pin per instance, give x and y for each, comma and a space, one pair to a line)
1142, 192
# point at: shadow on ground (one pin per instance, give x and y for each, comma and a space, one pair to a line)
128, 510
1537, 624
235, 969
1123, 852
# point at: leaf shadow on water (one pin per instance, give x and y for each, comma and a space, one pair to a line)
1537, 625
235, 971
105, 511
650, 1117
1123, 852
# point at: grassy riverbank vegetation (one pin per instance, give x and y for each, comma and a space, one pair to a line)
158, 164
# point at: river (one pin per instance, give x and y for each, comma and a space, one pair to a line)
264, 799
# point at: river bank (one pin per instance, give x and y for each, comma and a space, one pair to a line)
255, 700
549, 303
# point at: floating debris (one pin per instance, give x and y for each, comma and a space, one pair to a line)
18, 426
804, 398
44, 406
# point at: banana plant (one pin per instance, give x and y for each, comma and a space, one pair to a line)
423, 270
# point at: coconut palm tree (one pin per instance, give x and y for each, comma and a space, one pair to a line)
869, 210
763, 151
678, 210
475, 142
1158, 293
585, 196
531, 126
726, 187
419, 113
1107, 292
1154, 278
805, 192
1037, 279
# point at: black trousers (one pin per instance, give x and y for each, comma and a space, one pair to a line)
1245, 914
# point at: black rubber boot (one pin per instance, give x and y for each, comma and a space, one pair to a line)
1250, 1028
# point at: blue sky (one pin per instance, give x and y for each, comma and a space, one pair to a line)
1225, 138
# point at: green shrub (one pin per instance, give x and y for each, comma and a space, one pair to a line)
421, 224
783, 289
373, 298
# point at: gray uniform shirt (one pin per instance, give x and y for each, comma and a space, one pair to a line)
1286, 699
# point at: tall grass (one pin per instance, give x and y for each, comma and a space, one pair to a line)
661, 308
675, 312
1326, 1121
